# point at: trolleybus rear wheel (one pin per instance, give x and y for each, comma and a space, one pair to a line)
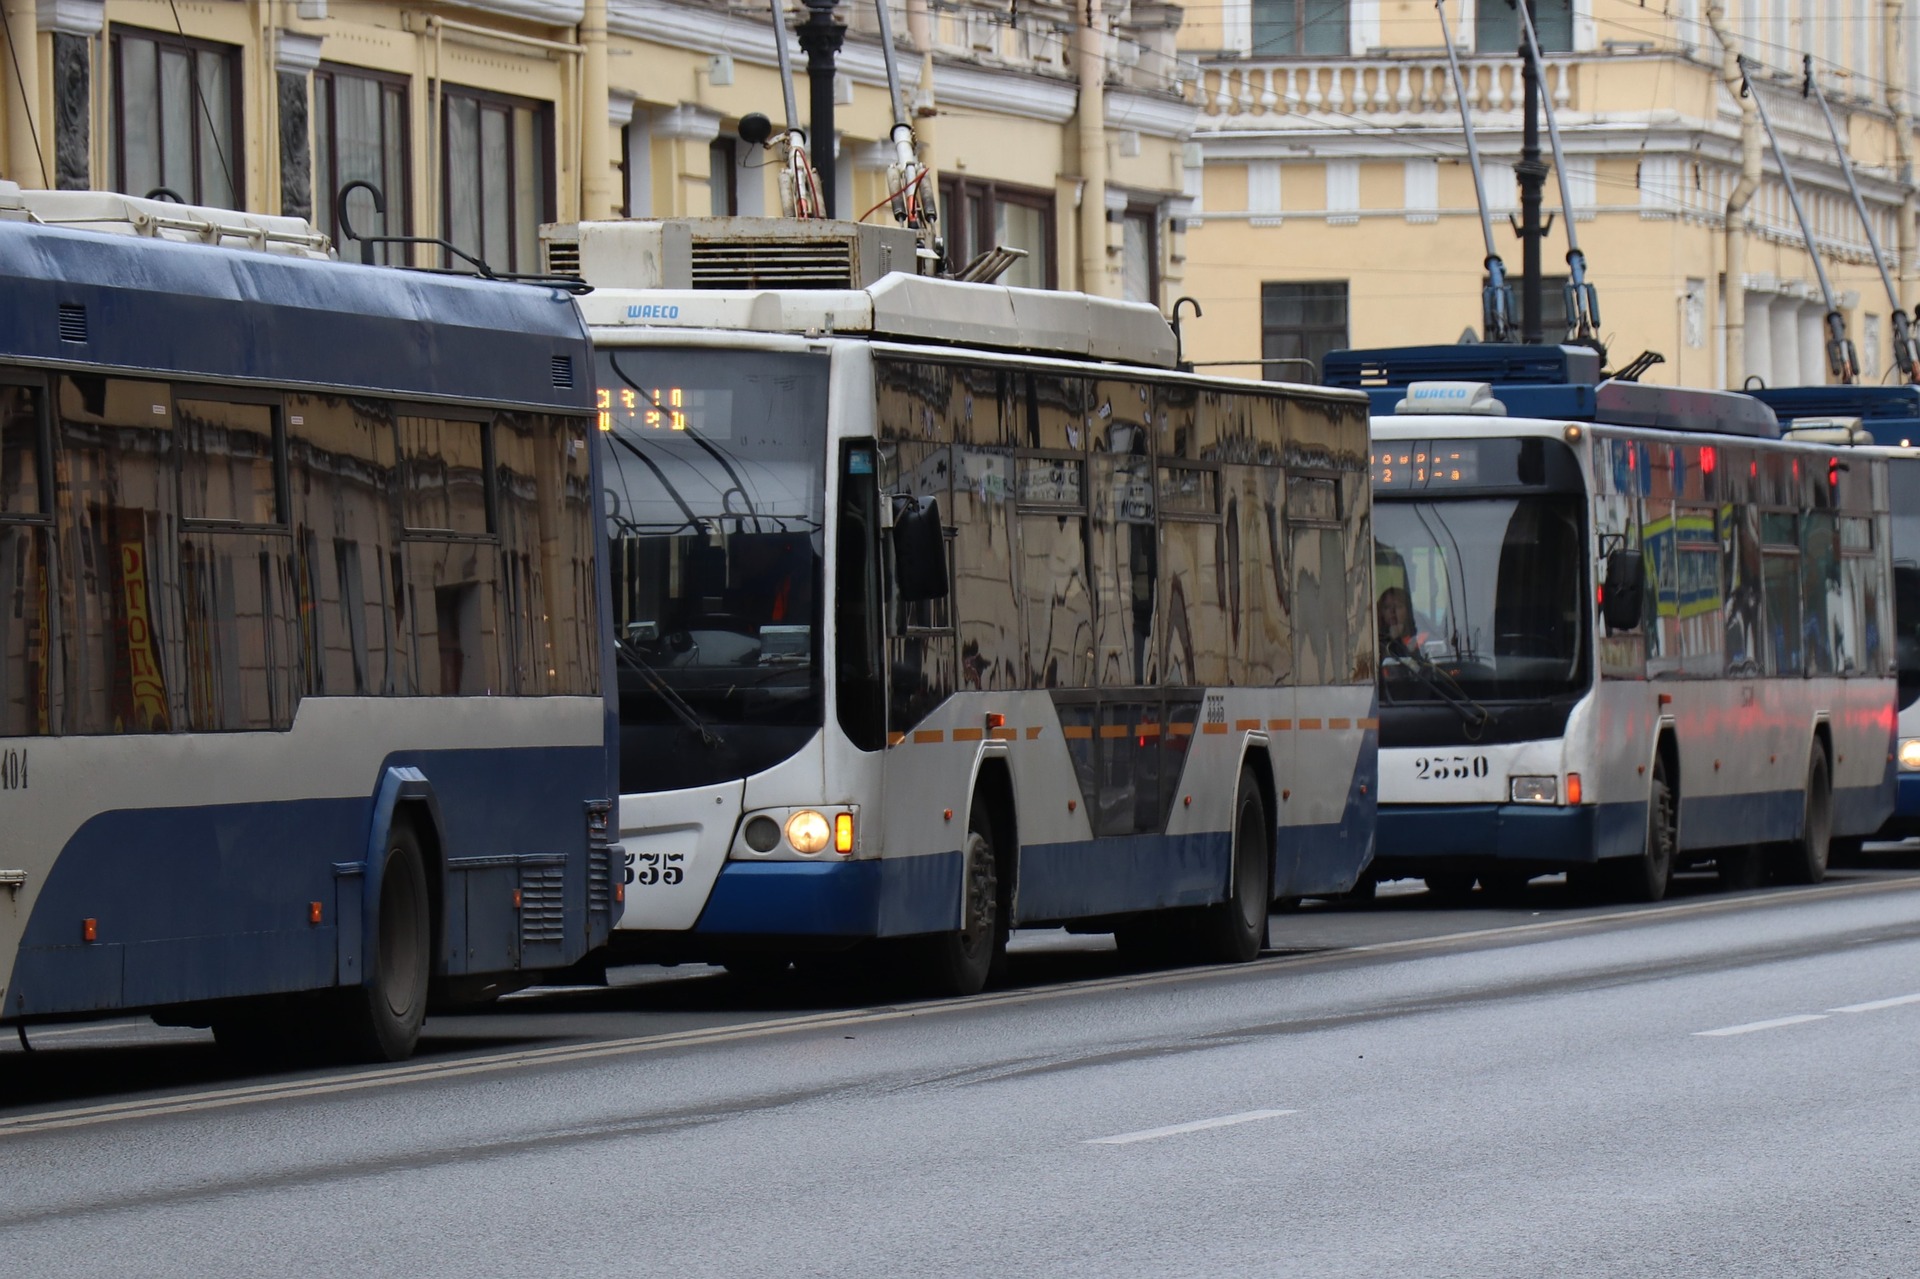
1804, 861
959, 962
1235, 930
1647, 877
380, 1019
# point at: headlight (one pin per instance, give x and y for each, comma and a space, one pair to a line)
1534, 790
808, 831
1910, 754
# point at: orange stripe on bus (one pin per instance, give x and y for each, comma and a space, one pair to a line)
894, 739
1279, 725
1146, 730
1213, 728
1113, 730
1033, 733
1004, 734
1242, 725
1340, 723
1370, 723
1306, 724
1180, 730
968, 734
1076, 732
925, 735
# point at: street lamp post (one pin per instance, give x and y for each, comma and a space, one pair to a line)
820, 36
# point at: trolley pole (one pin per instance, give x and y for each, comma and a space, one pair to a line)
820, 35
1532, 173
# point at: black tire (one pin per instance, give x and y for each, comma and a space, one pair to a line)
1846, 850
1804, 861
1647, 877
1364, 889
380, 1020
1740, 869
1450, 885
960, 962
1235, 930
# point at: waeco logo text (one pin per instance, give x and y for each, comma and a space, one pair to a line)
653, 312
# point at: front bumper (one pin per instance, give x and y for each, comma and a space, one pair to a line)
1413, 837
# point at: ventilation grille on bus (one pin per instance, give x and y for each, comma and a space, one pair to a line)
543, 905
773, 264
563, 371
563, 257
73, 322
599, 881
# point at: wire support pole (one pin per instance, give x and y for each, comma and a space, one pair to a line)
1496, 302
821, 36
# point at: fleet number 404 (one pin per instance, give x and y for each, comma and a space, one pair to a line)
1447, 768
13, 769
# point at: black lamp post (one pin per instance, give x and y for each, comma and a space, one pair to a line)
820, 36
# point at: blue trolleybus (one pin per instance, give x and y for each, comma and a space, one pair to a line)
945, 608
1624, 628
301, 720
1889, 416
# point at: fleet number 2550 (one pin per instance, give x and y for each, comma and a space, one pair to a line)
1447, 768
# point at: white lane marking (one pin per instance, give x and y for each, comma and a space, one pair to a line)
1198, 1125
1876, 1005
1773, 1023
524, 1058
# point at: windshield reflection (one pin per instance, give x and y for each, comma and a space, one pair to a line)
1488, 591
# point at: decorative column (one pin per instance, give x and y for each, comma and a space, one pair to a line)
688, 131
27, 161
294, 58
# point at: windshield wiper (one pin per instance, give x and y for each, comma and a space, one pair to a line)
1472, 714
675, 703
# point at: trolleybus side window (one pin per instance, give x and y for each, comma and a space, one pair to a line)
115, 491
26, 607
340, 455
452, 592
858, 645
541, 479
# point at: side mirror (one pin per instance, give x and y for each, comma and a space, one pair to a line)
1624, 596
919, 549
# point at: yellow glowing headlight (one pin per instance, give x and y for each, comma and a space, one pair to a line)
1910, 754
808, 831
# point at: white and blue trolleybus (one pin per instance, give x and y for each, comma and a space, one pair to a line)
302, 725
944, 608
1624, 628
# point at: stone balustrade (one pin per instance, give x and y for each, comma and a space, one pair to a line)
1243, 94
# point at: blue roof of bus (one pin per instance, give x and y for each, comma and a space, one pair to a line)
193, 310
1890, 413
1560, 382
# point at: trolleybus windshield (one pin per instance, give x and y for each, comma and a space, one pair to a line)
715, 489
1903, 483
1488, 590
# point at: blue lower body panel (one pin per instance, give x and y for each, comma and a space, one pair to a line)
1413, 836
1122, 873
890, 897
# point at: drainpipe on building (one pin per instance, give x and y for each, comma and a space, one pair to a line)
1734, 301
26, 159
1896, 78
599, 197
1091, 54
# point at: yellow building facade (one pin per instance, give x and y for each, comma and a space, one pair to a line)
478, 122
1334, 204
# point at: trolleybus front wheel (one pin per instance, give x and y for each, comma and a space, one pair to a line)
1804, 861
959, 962
1647, 877
1235, 930
380, 1019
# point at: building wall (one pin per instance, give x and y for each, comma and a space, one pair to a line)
1352, 168
995, 101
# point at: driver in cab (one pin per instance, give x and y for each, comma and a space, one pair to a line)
1400, 633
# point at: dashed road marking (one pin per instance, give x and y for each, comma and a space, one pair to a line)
1772, 1023
1198, 1125
1876, 1005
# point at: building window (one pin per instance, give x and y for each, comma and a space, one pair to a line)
979, 215
636, 174
498, 176
1301, 322
360, 134
1553, 306
1287, 28
176, 108
1140, 262
1496, 26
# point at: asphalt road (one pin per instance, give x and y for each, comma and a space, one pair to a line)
1719, 1085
